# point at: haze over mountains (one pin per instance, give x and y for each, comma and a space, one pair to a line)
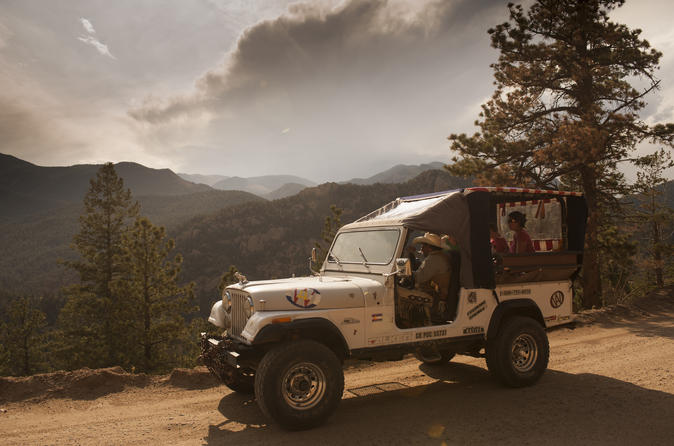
273, 187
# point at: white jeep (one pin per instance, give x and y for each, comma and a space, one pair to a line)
286, 340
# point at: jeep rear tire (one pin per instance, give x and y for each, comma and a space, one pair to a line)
299, 384
518, 355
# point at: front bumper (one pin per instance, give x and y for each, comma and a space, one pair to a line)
226, 357
216, 350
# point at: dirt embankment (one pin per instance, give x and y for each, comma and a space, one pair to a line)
610, 381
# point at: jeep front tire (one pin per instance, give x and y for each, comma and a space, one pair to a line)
519, 354
239, 380
299, 384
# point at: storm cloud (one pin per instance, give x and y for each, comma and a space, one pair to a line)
360, 78
376, 44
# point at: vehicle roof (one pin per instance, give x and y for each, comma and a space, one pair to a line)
399, 210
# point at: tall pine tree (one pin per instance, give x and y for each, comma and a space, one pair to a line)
90, 326
564, 108
653, 215
154, 306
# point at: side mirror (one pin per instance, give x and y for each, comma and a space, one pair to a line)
404, 266
312, 261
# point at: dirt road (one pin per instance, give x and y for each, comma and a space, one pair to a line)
609, 382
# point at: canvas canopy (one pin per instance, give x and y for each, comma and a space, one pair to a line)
465, 215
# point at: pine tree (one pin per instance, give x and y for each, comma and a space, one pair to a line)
228, 278
154, 306
331, 225
564, 108
22, 338
656, 219
89, 322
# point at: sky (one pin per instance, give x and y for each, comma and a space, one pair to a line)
325, 89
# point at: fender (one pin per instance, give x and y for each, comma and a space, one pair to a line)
318, 329
525, 307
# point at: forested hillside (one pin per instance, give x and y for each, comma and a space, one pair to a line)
274, 239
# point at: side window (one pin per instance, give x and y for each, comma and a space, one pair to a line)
543, 222
411, 251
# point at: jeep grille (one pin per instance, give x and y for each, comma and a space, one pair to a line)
239, 304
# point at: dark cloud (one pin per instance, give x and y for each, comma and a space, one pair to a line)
361, 41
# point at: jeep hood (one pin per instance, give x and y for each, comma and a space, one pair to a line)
309, 293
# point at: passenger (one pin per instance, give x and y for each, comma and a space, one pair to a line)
521, 243
498, 243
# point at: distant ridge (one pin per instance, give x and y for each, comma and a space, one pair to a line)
26, 188
208, 180
398, 174
261, 185
274, 187
284, 191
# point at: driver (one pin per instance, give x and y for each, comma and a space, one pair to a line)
433, 275
431, 279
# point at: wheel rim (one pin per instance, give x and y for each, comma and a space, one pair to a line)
524, 353
303, 386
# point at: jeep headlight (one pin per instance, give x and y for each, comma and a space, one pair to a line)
227, 300
249, 308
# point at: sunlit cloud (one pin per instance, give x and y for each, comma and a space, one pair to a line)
87, 25
90, 39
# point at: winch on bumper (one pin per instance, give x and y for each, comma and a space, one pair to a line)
229, 360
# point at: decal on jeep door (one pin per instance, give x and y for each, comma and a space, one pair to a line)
479, 308
305, 298
557, 299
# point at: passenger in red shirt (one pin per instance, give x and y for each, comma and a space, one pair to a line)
521, 243
498, 243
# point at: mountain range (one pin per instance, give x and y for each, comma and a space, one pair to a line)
274, 187
39, 209
27, 189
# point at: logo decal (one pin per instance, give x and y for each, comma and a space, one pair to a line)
377, 317
305, 298
557, 299
472, 297
473, 330
477, 309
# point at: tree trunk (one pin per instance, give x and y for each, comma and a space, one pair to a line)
592, 293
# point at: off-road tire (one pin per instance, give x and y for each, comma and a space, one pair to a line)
518, 355
240, 381
445, 357
299, 384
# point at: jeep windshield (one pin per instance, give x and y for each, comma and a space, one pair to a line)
370, 247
